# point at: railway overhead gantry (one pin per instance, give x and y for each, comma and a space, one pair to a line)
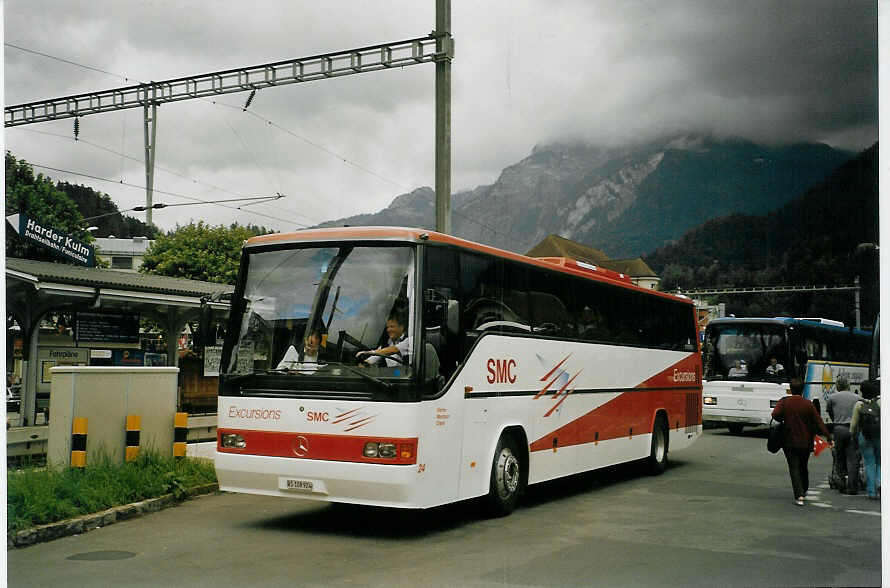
437, 47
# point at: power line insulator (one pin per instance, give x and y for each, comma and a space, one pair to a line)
249, 99
76, 127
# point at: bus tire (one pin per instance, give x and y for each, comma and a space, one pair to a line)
736, 428
658, 454
505, 484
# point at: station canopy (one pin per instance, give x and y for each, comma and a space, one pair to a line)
34, 288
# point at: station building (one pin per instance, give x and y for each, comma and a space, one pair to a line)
61, 314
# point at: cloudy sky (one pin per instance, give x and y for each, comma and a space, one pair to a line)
525, 72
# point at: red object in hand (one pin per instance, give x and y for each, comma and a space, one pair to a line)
819, 445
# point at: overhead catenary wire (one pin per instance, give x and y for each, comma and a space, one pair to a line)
318, 146
166, 170
68, 61
259, 117
266, 120
174, 194
160, 205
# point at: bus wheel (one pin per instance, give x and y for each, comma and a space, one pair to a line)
735, 428
658, 454
506, 478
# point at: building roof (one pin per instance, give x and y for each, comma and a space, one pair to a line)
556, 246
125, 246
45, 271
633, 267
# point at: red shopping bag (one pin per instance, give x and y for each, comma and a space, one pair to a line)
819, 445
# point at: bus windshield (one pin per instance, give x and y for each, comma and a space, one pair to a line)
305, 310
746, 351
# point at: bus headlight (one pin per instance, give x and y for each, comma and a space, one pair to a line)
370, 449
773, 403
386, 450
233, 441
389, 450
710, 400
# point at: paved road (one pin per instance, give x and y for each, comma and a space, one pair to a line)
721, 515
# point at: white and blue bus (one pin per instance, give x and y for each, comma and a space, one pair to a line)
740, 389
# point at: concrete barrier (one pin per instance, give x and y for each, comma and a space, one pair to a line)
30, 442
105, 396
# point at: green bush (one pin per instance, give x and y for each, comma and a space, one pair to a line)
39, 495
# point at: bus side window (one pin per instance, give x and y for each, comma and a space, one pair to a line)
551, 300
592, 322
439, 291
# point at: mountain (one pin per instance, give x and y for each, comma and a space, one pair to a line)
623, 201
812, 240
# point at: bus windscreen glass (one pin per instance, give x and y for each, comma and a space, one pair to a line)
308, 311
743, 351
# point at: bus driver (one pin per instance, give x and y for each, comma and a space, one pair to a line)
398, 344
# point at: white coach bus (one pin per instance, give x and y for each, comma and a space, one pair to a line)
407, 368
740, 388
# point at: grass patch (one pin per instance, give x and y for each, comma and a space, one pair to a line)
40, 495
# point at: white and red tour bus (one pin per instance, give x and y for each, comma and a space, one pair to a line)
510, 370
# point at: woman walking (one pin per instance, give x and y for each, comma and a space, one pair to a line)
802, 422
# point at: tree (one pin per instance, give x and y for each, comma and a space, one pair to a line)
199, 252
37, 197
104, 214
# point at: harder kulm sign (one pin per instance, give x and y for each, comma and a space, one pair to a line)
46, 236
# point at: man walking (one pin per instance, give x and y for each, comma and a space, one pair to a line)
845, 469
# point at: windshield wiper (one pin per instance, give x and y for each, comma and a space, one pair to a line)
359, 372
234, 379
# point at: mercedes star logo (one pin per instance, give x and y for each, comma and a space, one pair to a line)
301, 446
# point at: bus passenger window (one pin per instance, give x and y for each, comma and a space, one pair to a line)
440, 290
551, 300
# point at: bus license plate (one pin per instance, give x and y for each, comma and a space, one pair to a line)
298, 485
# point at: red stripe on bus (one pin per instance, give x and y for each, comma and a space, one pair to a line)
550, 383
566, 385
315, 446
550, 373
555, 406
343, 416
632, 410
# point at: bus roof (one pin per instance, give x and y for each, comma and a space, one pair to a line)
821, 324
415, 235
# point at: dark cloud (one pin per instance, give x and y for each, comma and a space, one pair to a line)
524, 73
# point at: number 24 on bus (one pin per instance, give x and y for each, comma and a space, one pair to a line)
406, 368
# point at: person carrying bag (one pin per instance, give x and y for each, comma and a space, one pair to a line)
776, 436
801, 423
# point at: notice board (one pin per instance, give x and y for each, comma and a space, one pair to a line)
107, 327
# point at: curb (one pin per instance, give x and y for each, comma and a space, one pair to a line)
84, 523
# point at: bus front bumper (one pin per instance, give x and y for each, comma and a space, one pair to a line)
729, 416
327, 481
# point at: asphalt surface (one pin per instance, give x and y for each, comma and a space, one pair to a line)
721, 515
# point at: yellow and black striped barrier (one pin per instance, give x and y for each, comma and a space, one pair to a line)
79, 442
134, 426
180, 433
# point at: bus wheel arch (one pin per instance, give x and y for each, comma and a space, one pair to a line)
658, 453
509, 472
